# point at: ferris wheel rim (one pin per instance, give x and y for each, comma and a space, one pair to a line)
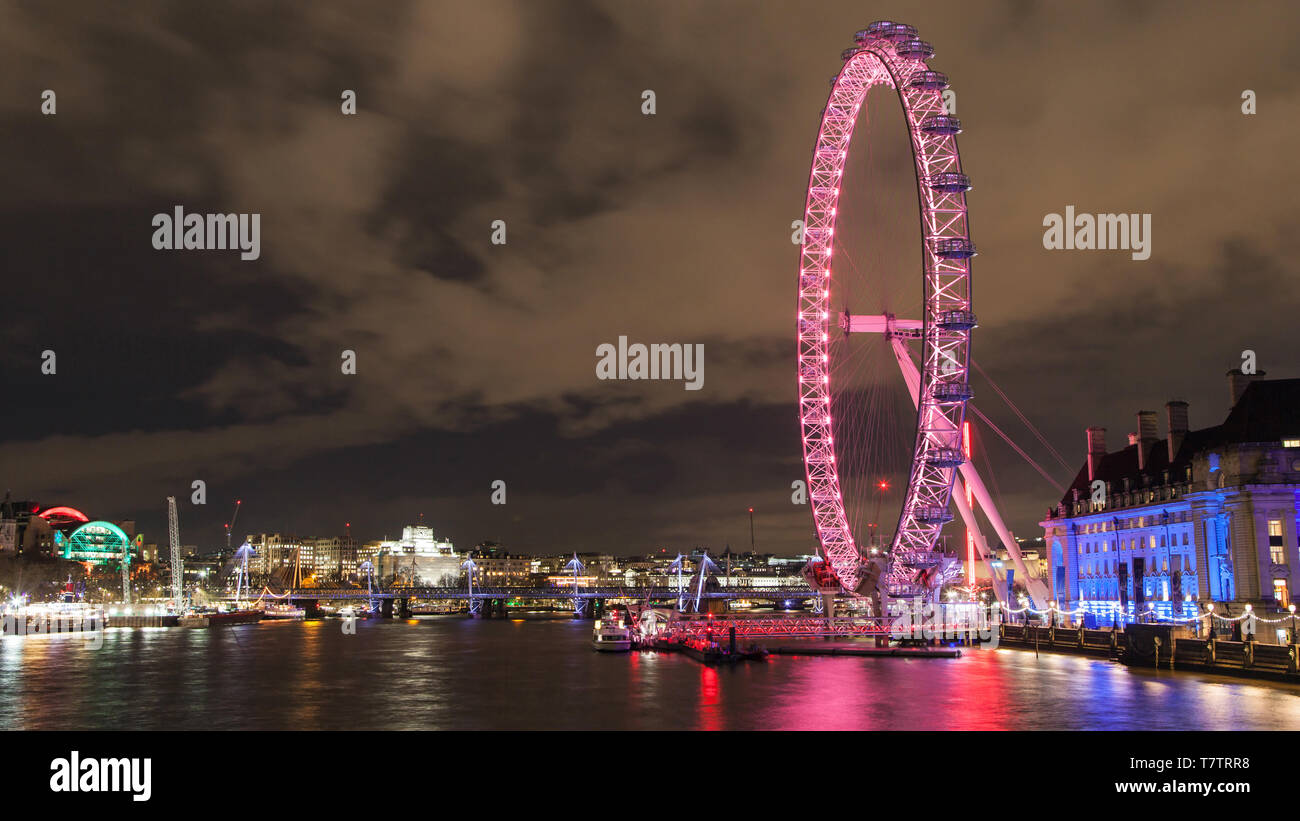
889, 54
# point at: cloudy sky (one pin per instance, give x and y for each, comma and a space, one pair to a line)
476, 362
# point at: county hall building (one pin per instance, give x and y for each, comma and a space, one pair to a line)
1171, 524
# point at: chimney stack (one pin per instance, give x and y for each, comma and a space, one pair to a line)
1146, 436
1176, 415
1238, 382
1096, 450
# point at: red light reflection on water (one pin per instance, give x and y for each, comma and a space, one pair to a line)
710, 702
880, 694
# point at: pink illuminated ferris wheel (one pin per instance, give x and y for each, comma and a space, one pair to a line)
932, 350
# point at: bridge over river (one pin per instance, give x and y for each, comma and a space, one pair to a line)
549, 592
494, 599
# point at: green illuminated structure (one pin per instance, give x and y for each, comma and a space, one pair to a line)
97, 543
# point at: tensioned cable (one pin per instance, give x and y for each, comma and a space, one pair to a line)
1016, 410
1016, 448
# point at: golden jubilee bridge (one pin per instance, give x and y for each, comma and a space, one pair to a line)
685, 596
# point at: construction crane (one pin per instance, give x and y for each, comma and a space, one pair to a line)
231, 524
174, 538
126, 573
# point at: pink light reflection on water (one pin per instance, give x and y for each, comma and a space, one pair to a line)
710, 702
1011, 690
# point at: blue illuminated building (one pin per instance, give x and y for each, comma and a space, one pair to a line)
1171, 524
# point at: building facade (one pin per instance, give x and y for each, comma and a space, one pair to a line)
1173, 524
418, 559
292, 560
494, 566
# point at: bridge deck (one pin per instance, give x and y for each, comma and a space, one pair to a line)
563, 593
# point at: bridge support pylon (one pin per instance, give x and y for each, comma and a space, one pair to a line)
386, 609
404, 608
828, 603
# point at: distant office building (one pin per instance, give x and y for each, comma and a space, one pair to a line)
28, 529
601, 565
419, 558
368, 552
287, 559
274, 555
496, 567
1206, 515
198, 572
550, 565
31, 535
1033, 552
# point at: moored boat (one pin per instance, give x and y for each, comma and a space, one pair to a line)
350, 612
284, 611
216, 619
610, 635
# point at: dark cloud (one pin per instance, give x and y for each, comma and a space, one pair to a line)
476, 362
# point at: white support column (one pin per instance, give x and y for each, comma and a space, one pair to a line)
1037, 590
912, 376
981, 544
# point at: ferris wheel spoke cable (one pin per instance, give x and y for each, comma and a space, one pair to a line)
871, 412
870, 456
1037, 433
1017, 448
1002, 434
993, 477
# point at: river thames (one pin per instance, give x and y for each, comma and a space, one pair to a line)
460, 674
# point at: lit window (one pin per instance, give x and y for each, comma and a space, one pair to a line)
1276, 550
1291, 443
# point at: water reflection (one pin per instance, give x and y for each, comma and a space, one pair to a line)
450, 673
708, 705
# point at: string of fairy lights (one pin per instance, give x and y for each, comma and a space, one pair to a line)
1053, 611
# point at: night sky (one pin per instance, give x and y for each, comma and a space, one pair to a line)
476, 362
